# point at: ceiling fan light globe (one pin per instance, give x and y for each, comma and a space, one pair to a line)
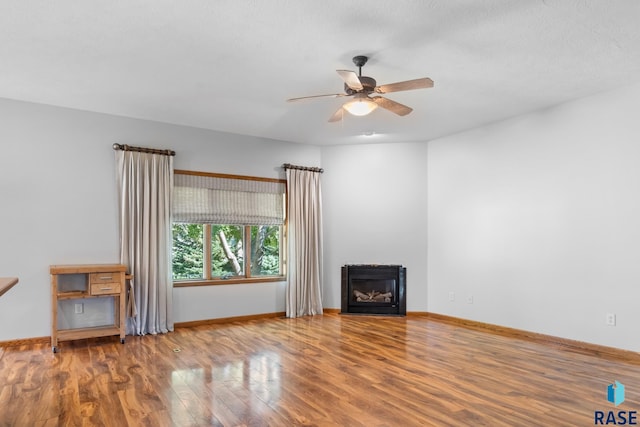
360, 106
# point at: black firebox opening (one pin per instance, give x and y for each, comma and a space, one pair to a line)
374, 289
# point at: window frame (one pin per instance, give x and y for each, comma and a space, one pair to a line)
208, 280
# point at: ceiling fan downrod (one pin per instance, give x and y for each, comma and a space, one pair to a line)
360, 60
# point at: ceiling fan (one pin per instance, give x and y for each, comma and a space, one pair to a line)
361, 87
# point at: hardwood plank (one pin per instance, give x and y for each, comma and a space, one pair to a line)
51, 422
329, 370
228, 319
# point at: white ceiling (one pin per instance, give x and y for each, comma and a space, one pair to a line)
229, 65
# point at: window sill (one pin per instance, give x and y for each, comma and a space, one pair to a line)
235, 281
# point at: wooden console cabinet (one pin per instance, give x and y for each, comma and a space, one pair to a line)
89, 281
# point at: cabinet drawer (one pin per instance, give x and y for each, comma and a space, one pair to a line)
105, 288
108, 277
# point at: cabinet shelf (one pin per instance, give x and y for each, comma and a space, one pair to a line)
72, 295
82, 333
81, 282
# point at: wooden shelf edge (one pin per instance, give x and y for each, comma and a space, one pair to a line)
7, 283
81, 333
73, 295
86, 268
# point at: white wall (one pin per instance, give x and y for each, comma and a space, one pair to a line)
58, 203
374, 199
538, 218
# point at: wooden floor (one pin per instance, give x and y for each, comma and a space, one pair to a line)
326, 370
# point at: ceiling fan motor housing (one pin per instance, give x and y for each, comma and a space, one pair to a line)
368, 84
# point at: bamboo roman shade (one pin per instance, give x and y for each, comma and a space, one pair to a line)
199, 199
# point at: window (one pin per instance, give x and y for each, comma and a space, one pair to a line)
227, 229
214, 251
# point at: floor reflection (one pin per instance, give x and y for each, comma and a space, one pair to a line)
245, 385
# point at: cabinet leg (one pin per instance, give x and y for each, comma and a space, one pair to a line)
54, 349
121, 340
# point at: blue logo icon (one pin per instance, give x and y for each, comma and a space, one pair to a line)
615, 393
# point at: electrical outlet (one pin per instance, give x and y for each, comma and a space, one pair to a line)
611, 319
79, 308
452, 296
470, 299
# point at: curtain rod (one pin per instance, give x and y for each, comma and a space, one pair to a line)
304, 168
125, 147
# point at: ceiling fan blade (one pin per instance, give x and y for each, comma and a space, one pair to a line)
337, 116
423, 83
393, 106
333, 95
351, 79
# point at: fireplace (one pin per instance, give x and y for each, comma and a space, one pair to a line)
374, 289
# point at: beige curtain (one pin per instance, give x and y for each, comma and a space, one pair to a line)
304, 286
145, 184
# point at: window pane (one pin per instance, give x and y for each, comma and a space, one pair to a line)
227, 250
265, 250
187, 256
